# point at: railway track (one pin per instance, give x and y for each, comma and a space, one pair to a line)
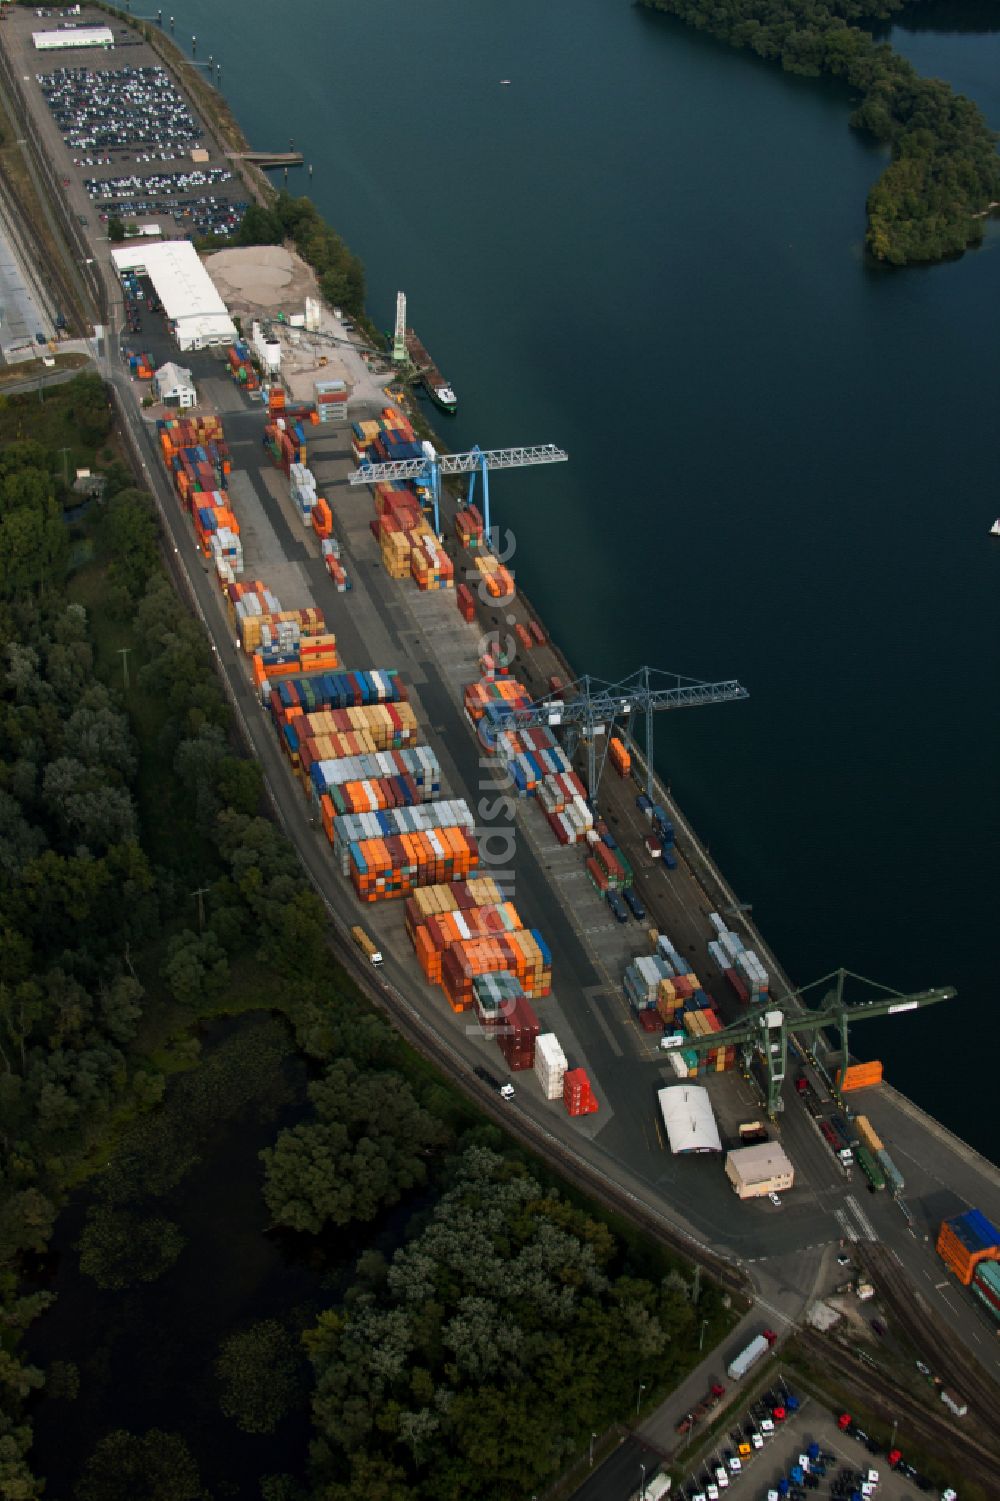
949, 1355
978, 1459
575, 1170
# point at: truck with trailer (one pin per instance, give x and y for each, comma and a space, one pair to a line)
752, 1133
870, 1167
894, 1179
811, 1079
844, 1155
505, 1091
702, 1409
750, 1355
367, 947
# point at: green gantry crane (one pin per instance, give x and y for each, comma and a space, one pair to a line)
766, 1031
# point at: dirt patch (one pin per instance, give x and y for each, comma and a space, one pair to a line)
262, 280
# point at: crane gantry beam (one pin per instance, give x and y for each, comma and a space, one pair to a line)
590, 707
429, 469
767, 1031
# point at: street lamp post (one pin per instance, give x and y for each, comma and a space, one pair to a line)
701, 1337
638, 1396
642, 1483
592, 1438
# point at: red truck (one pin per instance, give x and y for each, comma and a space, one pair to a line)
703, 1408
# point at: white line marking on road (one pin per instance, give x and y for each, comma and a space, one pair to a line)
845, 1224
867, 1229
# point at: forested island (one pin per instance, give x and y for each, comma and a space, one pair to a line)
251, 1244
945, 171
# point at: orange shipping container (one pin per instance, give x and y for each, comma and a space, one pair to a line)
859, 1076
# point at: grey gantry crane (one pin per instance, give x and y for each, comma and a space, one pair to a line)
590, 708
766, 1032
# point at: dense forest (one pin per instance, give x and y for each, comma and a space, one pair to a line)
441, 1317
945, 170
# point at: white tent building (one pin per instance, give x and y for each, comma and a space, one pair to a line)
190, 299
688, 1118
174, 386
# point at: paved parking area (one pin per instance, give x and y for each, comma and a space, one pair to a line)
122, 135
765, 1467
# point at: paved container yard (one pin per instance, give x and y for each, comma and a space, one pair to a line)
791, 1247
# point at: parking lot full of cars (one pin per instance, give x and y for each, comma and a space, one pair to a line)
135, 118
818, 1464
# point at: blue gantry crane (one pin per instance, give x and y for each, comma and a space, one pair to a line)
427, 471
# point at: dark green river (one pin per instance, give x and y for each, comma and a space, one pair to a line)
648, 249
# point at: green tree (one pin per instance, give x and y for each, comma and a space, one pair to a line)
196, 968
368, 1145
116, 229
157, 1466
131, 535
258, 1372
120, 1249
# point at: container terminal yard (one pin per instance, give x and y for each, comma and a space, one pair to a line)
276, 506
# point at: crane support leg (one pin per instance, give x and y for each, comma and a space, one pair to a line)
845, 1056
649, 754
592, 766
436, 493
487, 523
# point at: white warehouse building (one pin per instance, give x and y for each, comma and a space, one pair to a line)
687, 1115
73, 36
196, 312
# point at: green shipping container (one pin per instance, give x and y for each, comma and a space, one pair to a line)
868, 1165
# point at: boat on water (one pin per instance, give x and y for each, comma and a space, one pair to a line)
995, 528
433, 382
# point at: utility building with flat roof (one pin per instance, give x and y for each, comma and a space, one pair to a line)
759, 1170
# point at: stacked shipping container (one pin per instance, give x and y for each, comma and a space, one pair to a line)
331, 400
741, 966
241, 366
578, 1096
516, 1034
652, 984
522, 953
965, 1241
494, 995
986, 1286
550, 1065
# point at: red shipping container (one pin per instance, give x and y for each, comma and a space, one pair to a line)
465, 602
738, 984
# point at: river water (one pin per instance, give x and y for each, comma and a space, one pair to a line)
648, 249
